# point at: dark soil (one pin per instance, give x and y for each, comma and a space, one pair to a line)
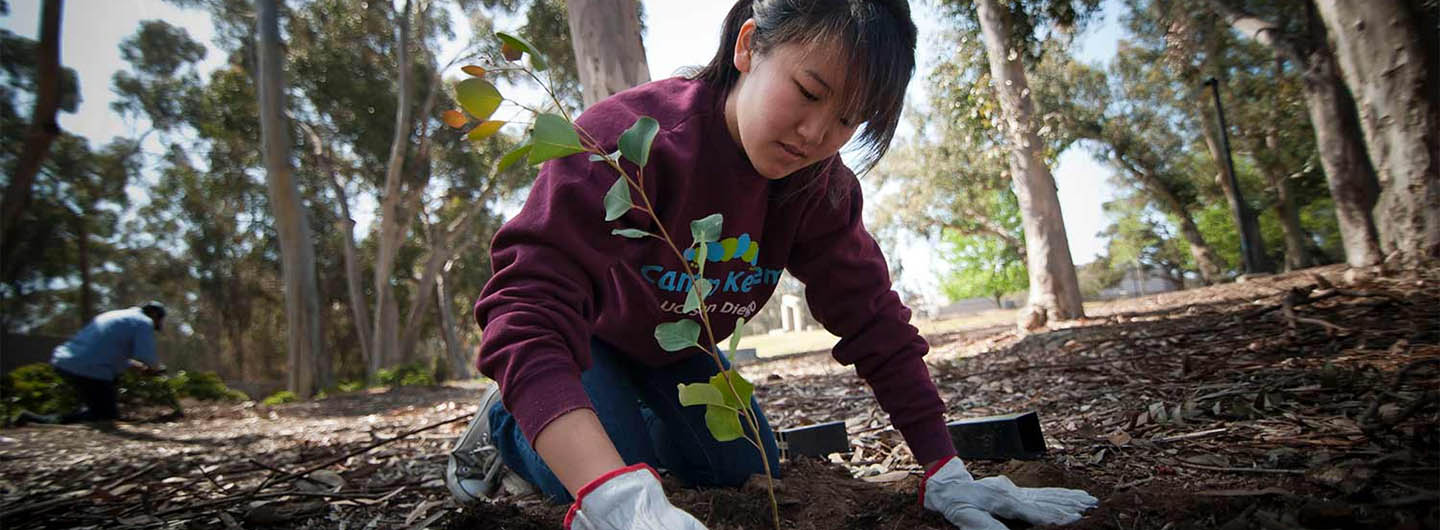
1296, 401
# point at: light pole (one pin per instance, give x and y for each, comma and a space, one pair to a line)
1252, 249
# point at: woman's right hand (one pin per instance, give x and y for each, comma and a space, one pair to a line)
629, 498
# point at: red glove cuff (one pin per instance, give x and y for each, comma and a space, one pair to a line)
602, 479
930, 472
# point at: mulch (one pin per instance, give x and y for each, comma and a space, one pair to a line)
1304, 400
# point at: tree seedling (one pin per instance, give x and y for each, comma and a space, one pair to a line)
726, 396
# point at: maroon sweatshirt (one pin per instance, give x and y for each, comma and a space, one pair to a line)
561, 278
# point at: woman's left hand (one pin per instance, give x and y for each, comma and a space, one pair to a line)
969, 504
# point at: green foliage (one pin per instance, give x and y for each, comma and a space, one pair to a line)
205, 386
678, 335
280, 398
37, 388
478, 97
140, 389
722, 406
982, 267
410, 374
350, 386
553, 137
635, 142
617, 200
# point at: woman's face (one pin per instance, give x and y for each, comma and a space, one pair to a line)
785, 109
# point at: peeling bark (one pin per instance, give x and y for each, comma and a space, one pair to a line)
1053, 283
1384, 62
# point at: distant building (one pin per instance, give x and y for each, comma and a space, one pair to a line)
1139, 283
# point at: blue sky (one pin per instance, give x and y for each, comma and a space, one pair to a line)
680, 33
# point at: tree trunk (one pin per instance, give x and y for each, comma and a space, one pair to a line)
359, 307
1337, 135
42, 131
608, 48
386, 342
1053, 284
1296, 256
1384, 61
1348, 172
456, 238
1206, 260
297, 253
460, 368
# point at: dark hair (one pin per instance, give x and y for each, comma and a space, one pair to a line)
879, 38
153, 309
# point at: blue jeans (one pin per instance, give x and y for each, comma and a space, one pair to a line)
640, 410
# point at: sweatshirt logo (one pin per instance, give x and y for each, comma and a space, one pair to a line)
741, 248
729, 249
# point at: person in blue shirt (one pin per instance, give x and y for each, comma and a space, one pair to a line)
94, 358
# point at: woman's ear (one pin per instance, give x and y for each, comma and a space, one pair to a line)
744, 46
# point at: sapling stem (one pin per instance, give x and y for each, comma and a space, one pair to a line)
744, 410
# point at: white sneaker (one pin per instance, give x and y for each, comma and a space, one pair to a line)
475, 471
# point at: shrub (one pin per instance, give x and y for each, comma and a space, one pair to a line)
138, 389
37, 388
350, 386
281, 397
205, 386
412, 374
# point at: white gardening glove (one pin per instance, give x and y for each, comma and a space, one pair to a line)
629, 498
968, 503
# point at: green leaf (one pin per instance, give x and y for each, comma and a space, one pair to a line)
723, 417
617, 200
635, 141
678, 335
708, 229
553, 138
697, 292
700, 394
692, 300
513, 156
745, 388
632, 233
611, 156
478, 97
724, 424
735, 336
537, 61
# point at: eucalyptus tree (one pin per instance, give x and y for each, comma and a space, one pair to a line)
1389, 55
609, 54
1195, 49
1295, 31
206, 213
1011, 33
43, 58
31, 71
1134, 118
297, 251
1272, 127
